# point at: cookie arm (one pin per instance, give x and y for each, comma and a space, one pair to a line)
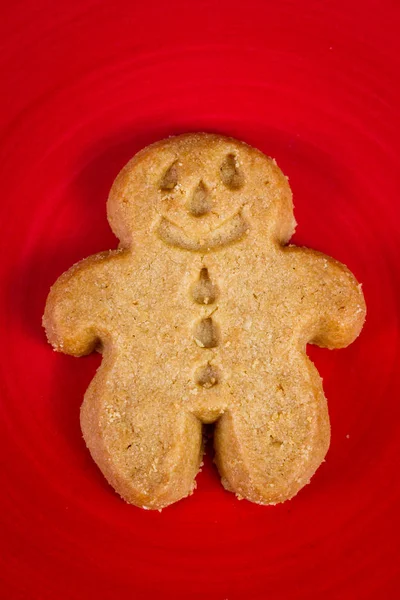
75, 308
329, 295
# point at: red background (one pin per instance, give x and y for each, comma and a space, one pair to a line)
84, 86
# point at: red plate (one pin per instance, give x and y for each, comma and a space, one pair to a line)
85, 84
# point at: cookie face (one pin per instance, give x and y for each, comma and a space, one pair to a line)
200, 188
203, 315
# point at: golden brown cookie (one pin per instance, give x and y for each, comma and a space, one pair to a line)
203, 315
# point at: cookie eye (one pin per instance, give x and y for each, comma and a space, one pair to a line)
170, 177
231, 175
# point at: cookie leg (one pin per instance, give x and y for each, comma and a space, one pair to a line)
147, 449
268, 448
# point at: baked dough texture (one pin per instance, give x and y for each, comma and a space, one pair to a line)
202, 316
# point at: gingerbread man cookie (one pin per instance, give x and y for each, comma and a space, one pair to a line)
202, 316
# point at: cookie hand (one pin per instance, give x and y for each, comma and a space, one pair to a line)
332, 298
75, 310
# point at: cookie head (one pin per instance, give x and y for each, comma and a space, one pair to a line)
200, 192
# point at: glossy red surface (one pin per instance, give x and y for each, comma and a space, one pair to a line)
85, 84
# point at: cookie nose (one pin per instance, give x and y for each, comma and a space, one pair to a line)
200, 203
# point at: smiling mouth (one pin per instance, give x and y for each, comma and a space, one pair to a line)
227, 233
